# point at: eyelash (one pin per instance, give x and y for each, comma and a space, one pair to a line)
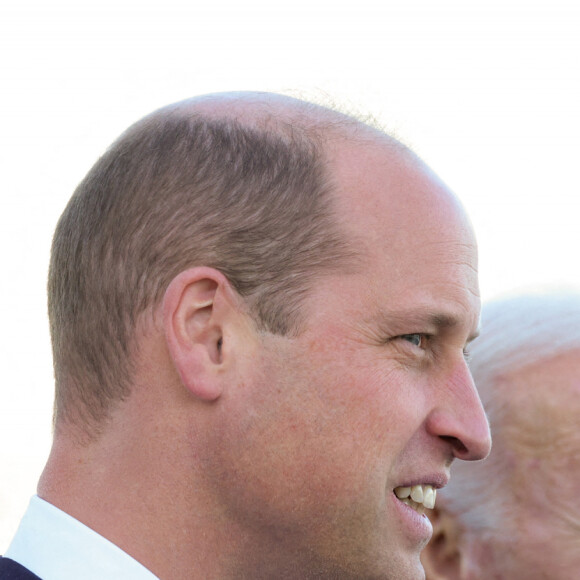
425, 338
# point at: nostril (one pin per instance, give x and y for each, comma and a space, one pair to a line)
459, 448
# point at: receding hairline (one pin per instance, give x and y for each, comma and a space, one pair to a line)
323, 124
282, 114
281, 134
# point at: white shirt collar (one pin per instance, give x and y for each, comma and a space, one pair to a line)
56, 546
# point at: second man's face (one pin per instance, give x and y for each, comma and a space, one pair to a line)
539, 443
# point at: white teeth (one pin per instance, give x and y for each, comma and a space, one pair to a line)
417, 493
418, 497
429, 497
402, 492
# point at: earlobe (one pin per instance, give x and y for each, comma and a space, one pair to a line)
193, 321
442, 556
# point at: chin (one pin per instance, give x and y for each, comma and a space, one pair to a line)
399, 569
410, 569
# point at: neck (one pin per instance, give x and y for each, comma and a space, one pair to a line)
174, 530
125, 486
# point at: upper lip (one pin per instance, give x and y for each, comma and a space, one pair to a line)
435, 480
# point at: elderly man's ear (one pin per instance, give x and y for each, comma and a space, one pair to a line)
200, 316
446, 557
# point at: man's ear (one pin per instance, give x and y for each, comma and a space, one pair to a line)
196, 308
442, 558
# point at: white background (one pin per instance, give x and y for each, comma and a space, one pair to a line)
488, 93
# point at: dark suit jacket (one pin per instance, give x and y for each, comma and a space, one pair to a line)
11, 570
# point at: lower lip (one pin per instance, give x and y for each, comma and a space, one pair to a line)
417, 527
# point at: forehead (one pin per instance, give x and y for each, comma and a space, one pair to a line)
385, 192
412, 234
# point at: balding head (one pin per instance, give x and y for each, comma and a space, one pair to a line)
269, 303
239, 182
278, 112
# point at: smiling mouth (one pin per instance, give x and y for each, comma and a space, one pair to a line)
418, 497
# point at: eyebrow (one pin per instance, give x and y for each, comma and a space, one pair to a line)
421, 318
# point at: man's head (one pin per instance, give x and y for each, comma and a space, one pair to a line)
277, 298
222, 182
515, 515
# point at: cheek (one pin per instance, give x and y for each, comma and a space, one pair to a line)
537, 542
502, 556
363, 403
332, 411
326, 420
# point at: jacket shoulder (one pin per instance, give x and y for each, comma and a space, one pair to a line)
11, 570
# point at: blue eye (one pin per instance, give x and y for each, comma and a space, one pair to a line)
415, 339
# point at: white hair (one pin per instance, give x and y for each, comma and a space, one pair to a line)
515, 332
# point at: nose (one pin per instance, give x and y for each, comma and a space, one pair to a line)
458, 417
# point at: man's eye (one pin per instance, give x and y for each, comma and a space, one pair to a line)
416, 339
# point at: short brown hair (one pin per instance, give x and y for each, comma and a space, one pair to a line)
178, 190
